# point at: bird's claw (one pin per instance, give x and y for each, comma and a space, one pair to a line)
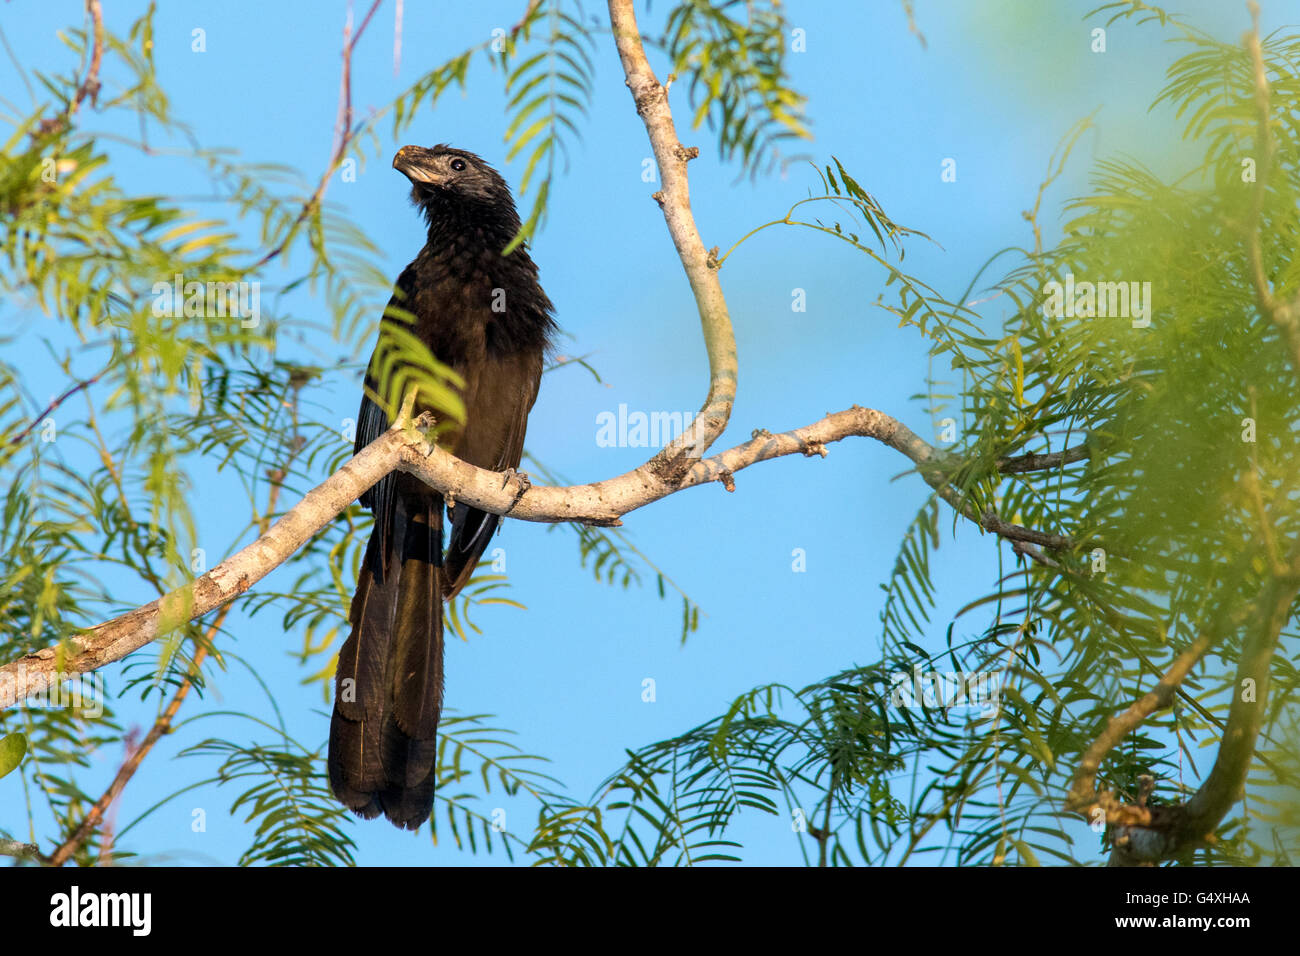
521, 479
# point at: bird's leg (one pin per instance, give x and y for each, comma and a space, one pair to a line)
523, 481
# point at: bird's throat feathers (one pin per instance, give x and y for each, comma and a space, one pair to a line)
488, 225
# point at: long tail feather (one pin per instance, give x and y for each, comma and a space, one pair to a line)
388, 688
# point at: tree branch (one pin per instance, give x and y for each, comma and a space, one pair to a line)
20, 850
675, 200
41, 416
1083, 796
129, 632
343, 134
161, 726
1042, 462
1285, 315
1147, 835
408, 449
90, 85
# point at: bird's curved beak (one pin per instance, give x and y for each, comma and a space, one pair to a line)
414, 163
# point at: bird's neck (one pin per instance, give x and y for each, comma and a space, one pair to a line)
486, 227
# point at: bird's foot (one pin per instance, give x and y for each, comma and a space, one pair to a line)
522, 483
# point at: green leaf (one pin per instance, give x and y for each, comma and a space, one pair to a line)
12, 750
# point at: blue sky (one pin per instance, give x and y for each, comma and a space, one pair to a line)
995, 89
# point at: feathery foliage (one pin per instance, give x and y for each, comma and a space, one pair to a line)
1176, 407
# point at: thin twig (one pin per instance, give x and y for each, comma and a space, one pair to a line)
1029, 551
21, 850
1285, 315
90, 85
397, 39
344, 134
1083, 793
162, 725
86, 383
1041, 462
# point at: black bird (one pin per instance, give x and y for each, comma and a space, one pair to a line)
485, 315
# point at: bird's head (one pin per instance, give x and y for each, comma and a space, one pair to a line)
443, 179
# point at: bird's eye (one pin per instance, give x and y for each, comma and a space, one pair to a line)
458, 164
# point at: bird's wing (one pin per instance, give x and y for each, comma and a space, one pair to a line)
371, 423
493, 438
